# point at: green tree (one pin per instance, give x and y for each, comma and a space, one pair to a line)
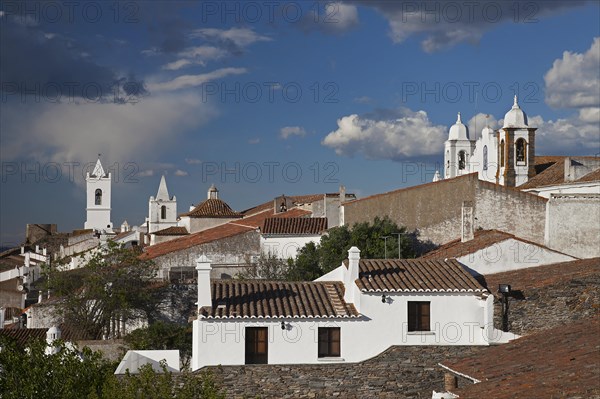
28, 372
115, 284
161, 335
315, 260
267, 267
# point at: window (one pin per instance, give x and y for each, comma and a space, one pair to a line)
257, 345
461, 160
163, 212
502, 154
418, 316
98, 195
329, 342
521, 151
485, 157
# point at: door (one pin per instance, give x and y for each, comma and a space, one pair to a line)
256, 345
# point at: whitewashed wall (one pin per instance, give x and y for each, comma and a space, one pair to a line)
511, 254
285, 247
456, 319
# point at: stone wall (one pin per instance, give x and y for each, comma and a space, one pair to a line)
228, 255
434, 209
515, 212
400, 372
573, 224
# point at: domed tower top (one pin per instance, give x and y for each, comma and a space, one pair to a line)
458, 131
515, 118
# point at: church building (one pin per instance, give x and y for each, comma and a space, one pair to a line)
98, 186
505, 156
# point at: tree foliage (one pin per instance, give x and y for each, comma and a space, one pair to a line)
268, 266
115, 284
162, 335
70, 374
313, 260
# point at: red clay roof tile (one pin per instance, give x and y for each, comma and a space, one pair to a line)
294, 226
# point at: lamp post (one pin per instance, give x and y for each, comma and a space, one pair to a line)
505, 290
385, 238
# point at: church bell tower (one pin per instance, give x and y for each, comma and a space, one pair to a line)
98, 186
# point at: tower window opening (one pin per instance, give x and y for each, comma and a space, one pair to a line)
502, 153
163, 212
485, 157
521, 151
461, 160
98, 197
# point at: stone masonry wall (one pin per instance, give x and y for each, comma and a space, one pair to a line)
400, 372
227, 254
509, 210
433, 208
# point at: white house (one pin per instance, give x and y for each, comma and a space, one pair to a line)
350, 314
209, 213
494, 251
283, 237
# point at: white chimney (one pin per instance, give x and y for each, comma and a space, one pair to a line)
467, 222
204, 295
351, 274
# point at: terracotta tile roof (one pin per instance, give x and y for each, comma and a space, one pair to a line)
277, 299
558, 362
172, 231
294, 226
592, 176
23, 335
229, 229
415, 275
213, 208
542, 276
550, 170
482, 239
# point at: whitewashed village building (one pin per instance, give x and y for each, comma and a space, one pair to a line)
348, 315
284, 237
162, 209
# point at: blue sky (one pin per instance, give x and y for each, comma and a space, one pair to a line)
273, 97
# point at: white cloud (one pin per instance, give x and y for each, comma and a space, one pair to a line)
199, 55
180, 172
478, 122
239, 37
145, 173
363, 100
568, 136
408, 134
333, 17
574, 81
193, 161
254, 141
289, 131
123, 133
186, 81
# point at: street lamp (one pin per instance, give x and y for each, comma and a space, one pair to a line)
505, 290
385, 238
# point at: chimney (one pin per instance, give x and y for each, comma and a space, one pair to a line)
204, 295
467, 220
341, 215
450, 382
351, 274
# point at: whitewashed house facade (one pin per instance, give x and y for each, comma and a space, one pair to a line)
350, 314
284, 237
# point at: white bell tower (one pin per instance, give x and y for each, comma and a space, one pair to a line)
98, 185
162, 210
458, 150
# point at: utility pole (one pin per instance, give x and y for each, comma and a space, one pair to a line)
385, 238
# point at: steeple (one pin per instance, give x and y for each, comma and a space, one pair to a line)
163, 192
213, 193
98, 169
